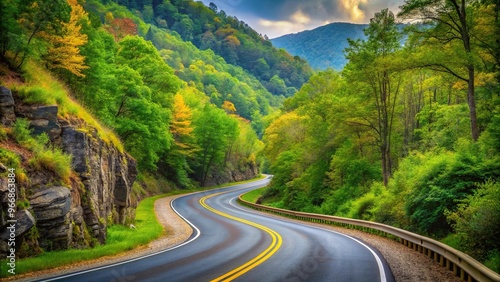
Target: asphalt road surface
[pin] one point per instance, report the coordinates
(231, 242)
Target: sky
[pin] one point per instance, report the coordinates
(279, 17)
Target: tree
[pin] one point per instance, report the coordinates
(121, 27)
(229, 107)
(177, 167)
(215, 132)
(65, 50)
(213, 7)
(148, 14)
(452, 21)
(180, 126)
(369, 67)
(11, 33)
(143, 57)
(34, 16)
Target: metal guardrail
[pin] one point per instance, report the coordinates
(462, 265)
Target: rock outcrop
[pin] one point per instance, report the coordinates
(107, 176)
(100, 190)
(7, 115)
(244, 172)
(51, 208)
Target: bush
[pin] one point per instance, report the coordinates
(477, 221)
(10, 159)
(21, 132)
(362, 208)
(439, 180)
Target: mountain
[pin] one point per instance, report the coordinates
(322, 47)
(209, 28)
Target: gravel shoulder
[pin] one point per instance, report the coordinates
(406, 264)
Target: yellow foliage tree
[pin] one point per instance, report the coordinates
(65, 48)
(180, 127)
(229, 107)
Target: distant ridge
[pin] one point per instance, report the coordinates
(322, 47)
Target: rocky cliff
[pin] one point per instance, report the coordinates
(77, 214)
(241, 173)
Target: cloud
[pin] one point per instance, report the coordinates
(279, 17)
(352, 8)
(297, 21)
(300, 18)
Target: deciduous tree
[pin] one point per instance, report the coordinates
(370, 67)
(65, 50)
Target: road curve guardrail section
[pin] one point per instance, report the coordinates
(462, 265)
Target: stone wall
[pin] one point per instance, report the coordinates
(100, 187)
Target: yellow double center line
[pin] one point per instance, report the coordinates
(267, 253)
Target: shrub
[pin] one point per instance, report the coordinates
(477, 221)
(362, 208)
(21, 132)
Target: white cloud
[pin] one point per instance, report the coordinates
(300, 18)
(352, 8)
(281, 27)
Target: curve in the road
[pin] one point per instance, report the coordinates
(263, 256)
(238, 244)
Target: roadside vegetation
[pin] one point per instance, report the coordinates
(406, 134)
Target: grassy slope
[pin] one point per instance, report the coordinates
(43, 88)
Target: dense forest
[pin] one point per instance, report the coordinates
(406, 134)
(209, 28)
(185, 113)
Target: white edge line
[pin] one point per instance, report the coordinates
(138, 258)
(153, 254)
(383, 277)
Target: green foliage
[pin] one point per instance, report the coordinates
(477, 221)
(417, 123)
(54, 160)
(130, 85)
(26, 22)
(10, 159)
(22, 133)
(442, 125)
(211, 74)
(215, 133)
(232, 39)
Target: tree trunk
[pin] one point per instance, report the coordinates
(472, 105)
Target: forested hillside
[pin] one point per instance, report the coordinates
(181, 112)
(209, 28)
(404, 135)
(322, 47)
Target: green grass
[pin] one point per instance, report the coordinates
(252, 196)
(120, 239)
(43, 88)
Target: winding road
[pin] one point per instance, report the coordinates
(231, 242)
